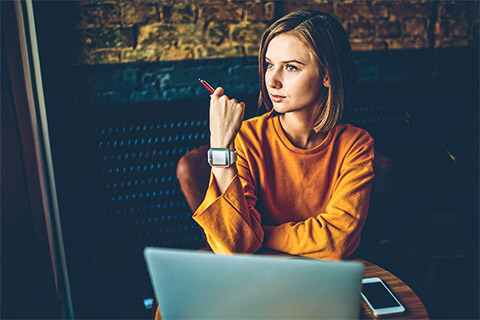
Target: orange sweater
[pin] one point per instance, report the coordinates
(311, 203)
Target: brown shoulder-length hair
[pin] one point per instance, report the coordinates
(330, 48)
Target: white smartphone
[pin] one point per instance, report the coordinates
(379, 298)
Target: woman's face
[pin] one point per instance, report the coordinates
(292, 77)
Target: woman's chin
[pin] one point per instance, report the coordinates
(278, 108)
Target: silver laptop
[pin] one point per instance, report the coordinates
(202, 285)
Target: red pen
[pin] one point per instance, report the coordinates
(206, 85)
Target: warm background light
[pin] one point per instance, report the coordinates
(134, 31)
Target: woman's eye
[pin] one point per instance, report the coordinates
(269, 65)
(290, 67)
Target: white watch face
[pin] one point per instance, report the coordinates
(219, 157)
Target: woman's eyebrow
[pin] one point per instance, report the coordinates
(288, 61)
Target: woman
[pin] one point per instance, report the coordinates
(301, 182)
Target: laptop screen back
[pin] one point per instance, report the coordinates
(193, 285)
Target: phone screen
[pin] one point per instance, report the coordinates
(378, 296)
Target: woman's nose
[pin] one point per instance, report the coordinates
(273, 81)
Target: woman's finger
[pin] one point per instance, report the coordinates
(218, 92)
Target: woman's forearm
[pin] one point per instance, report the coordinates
(226, 117)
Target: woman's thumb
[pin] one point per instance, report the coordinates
(218, 92)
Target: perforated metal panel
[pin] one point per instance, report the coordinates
(142, 197)
(401, 123)
(405, 115)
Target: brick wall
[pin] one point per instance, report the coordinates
(113, 32)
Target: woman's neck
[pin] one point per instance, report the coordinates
(298, 127)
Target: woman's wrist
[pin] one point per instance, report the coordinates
(222, 145)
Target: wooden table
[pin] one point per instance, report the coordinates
(413, 305)
(414, 308)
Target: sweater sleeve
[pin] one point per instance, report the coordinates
(335, 233)
(230, 221)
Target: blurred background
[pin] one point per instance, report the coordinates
(100, 99)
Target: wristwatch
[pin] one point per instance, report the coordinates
(221, 157)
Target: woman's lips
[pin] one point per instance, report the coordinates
(277, 98)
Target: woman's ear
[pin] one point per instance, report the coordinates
(326, 82)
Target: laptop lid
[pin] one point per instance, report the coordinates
(203, 285)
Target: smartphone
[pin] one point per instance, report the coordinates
(379, 298)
